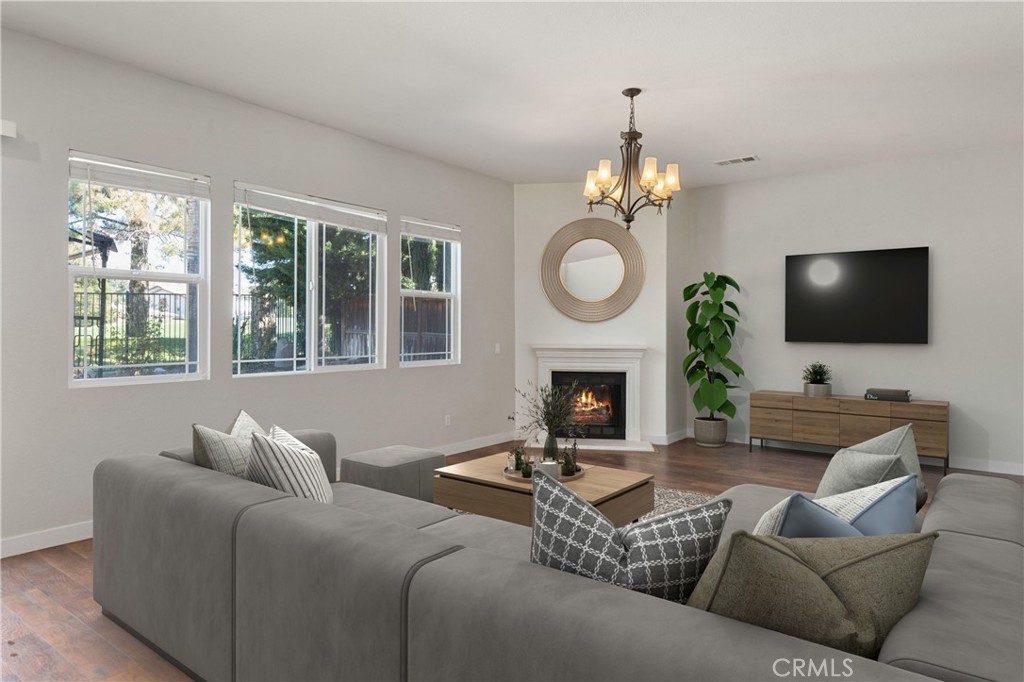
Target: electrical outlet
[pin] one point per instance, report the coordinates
(447, 420)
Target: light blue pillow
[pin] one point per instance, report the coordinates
(885, 508)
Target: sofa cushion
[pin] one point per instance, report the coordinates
(846, 593)
(493, 535)
(285, 463)
(967, 623)
(978, 505)
(383, 505)
(881, 509)
(663, 556)
(220, 451)
(890, 455)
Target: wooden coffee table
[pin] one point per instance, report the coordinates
(478, 486)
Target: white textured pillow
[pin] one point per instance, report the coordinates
(244, 426)
(874, 461)
(285, 463)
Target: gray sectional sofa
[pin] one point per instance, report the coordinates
(235, 581)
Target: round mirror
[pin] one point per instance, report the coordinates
(592, 270)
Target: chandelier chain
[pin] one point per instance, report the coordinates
(632, 116)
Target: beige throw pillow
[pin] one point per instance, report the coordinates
(846, 593)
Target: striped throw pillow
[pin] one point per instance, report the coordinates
(285, 463)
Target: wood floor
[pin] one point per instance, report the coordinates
(53, 630)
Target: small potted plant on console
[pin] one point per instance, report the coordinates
(817, 380)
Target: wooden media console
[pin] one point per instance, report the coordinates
(844, 420)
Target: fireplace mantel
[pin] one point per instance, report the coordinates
(588, 358)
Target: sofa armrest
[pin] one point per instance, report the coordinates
(162, 554)
(325, 445)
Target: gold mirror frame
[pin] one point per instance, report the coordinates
(632, 270)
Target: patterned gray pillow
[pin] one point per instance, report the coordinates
(664, 556)
(220, 451)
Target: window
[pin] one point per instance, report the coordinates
(136, 251)
(300, 259)
(430, 292)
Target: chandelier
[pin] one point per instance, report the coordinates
(649, 187)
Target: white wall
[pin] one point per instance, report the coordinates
(540, 211)
(967, 207)
(54, 436)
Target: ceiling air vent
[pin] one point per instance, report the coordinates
(738, 159)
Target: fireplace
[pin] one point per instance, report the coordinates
(599, 402)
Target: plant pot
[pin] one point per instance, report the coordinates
(818, 390)
(550, 447)
(710, 432)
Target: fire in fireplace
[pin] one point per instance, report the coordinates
(599, 403)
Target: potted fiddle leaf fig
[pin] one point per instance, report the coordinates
(712, 329)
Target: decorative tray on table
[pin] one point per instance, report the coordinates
(518, 475)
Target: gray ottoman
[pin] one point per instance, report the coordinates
(399, 469)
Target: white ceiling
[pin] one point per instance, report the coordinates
(529, 92)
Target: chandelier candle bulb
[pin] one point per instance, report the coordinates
(590, 190)
(649, 178)
(617, 194)
(672, 178)
(604, 174)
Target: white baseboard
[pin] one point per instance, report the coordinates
(51, 537)
(989, 467)
(474, 443)
(670, 438)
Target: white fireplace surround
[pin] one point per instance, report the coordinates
(618, 358)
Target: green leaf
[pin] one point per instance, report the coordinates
(732, 367)
(688, 360)
(709, 310)
(713, 394)
(726, 316)
(691, 312)
(733, 306)
(717, 328)
(691, 291)
(729, 281)
(717, 295)
(709, 279)
(731, 324)
(702, 340)
(694, 374)
(728, 409)
(711, 358)
(723, 346)
(698, 402)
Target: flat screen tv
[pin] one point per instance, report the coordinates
(858, 296)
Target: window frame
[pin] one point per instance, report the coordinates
(134, 176)
(426, 229)
(315, 212)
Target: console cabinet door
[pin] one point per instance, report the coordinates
(816, 427)
(930, 437)
(769, 422)
(855, 428)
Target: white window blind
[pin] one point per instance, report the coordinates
(99, 170)
(434, 230)
(313, 208)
